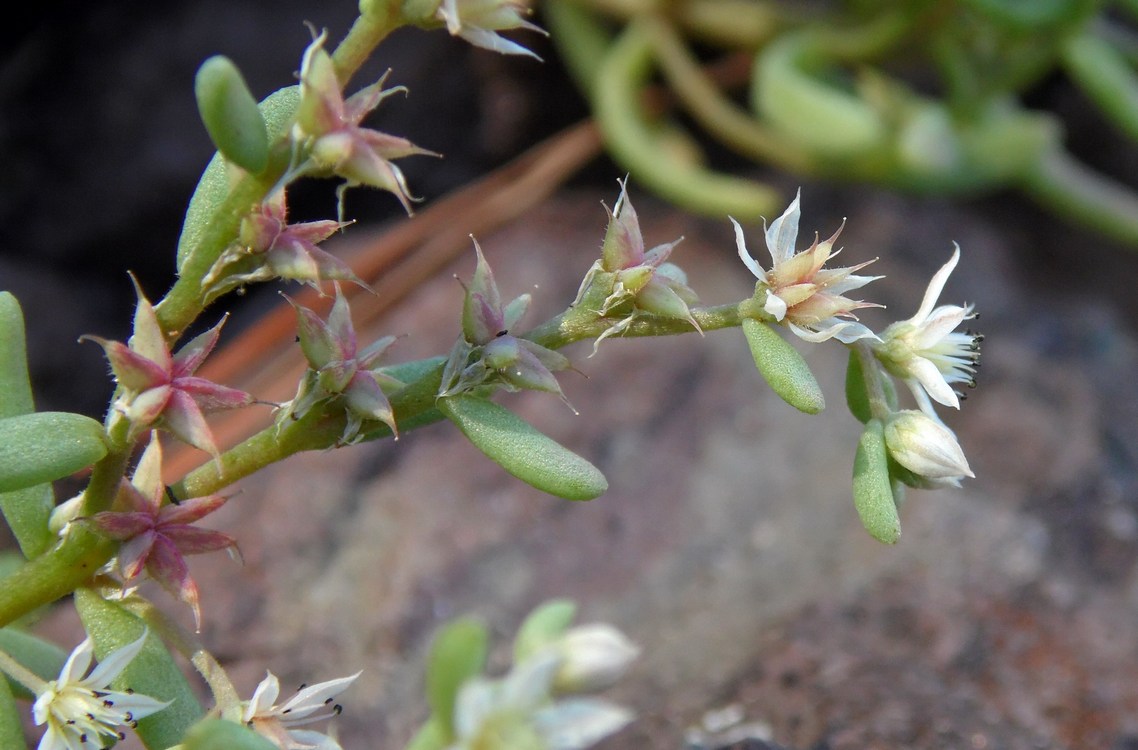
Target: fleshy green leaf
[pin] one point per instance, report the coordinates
(783, 368)
(429, 737)
(230, 115)
(457, 654)
(47, 445)
(857, 397)
(857, 393)
(543, 626)
(15, 386)
(872, 486)
(11, 729)
(26, 510)
(218, 734)
(278, 110)
(153, 672)
(42, 658)
(521, 450)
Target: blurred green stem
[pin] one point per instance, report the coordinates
(1068, 187)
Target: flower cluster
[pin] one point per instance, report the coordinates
(268, 247)
(479, 21)
(925, 351)
(328, 129)
(339, 370)
(635, 281)
(799, 290)
(160, 388)
(155, 537)
(488, 354)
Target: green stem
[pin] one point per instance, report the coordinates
(637, 146)
(708, 106)
(54, 574)
(21, 674)
(185, 300)
(1073, 189)
(377, 19)
(872, 374)
(1106, 78)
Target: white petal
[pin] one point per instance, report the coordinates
(579, 723)
(264, 697)
(846, 331)
(783, 232)
(477, 700)
(940, 323)
(110, 667)
(528, 684)
(936, 286)
(316, 740)
(741, 245)
(775, 305)
(930, 377)
(315, 697)
(78, 662)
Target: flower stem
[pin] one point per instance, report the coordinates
(872, 375)
(21, 674)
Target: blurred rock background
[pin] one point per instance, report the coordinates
(727, 545)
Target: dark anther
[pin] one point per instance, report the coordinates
(337, 709)
(108, 703)
(171, 496)
(303, 685)
(296, 340)
(287, 711)
(329, 701)
(129, 691)
(128, 716)
(500, 334)
(122, 735)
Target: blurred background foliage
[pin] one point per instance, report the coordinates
(917, 95)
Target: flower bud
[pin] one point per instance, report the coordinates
(595, 657)
(925, 446)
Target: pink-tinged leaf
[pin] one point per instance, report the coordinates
(147, 338)
(191, 540)
(184, 418)
(134, 554)
(132, 370)
(168, 568)
(121, 526)
(191, 510)
(191, 356)
(210, 396)
(340, 326)
(316, 340)
(367, 399)
(147, 406)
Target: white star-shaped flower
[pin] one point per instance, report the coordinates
(809, 297)
(81, 712)
(311, 704)
(927, 353)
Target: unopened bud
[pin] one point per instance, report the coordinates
(924, 446)
(595, 657)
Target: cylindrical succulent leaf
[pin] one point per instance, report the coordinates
(872, 486)
(230, 114)
(783, 368)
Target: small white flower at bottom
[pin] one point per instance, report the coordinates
(80, 712)
(517, 712)
(311, 704)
